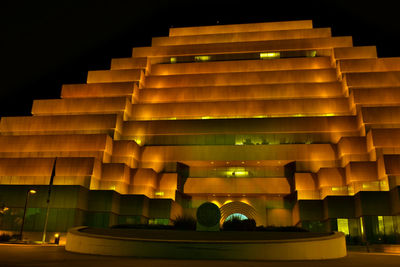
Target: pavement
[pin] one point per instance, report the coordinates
(50, 255)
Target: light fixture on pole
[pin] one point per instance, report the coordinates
(28, 193)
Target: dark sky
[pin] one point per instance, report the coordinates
(49, 43)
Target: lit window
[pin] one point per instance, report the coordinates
(270, 55)
(202, 58)
(159, 221)
(362, 226)
(343, 226)
(236, 172)
(173, 60)
(311, 53)
(381, 227)
(137, 140)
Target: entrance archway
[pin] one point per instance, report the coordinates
(236, 216)
(238, 207)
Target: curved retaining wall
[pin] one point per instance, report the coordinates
(327, 247)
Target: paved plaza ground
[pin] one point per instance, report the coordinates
(43, 256)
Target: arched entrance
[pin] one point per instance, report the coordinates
(238, 207)
(236, 216)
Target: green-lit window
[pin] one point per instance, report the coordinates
(269, 55)
(381, 227)
(202, 58)
(343, 226)
(159, 221)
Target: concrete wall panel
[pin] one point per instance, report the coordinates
(237, 186)
(240, 109)
(361, 171)
(60, 124)
(78, 106)
(111, 76)
(241, 126)
(328, 177)
(116, 172)
(373, 79)
(354, 52)
(242, 78)
(42, 143)
(98, 90)
(239, 28)
(242, 66)
(309, 152)
(244, 47)
(241, 92)
(242, 37)
(370, 65)
(305, 181)
(376, 96)
(130, 63)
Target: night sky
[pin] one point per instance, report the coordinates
(46, 44)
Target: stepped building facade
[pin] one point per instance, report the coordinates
(277, 121)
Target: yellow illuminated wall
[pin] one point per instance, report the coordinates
(239, 105)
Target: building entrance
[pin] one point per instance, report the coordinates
(238, 216)
(237, 208)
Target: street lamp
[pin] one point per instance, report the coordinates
(29, 192)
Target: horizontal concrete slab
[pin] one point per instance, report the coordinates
(242, 78)
(242, 66)
(235, 28)
(240, 92)
(242, 37)
(242, 109)
(243, 47)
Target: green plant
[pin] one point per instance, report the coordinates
(236, 224)
(5, 237)
(353, 240)
(280, 229)
(185, 223)
(141, 226)
(208, 214)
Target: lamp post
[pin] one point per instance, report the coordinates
(29, 192)
(53, 174)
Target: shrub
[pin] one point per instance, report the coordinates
(141, 226)
(281, 229)
(353, 240)
(389, 239)
(185, 223)
(5, 237)
(236, 224)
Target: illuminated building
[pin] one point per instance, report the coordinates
(277, 121)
